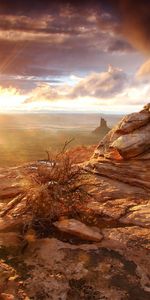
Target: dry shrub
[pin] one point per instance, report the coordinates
(60, 189)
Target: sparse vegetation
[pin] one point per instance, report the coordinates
(60, 189)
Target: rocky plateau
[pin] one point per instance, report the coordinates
(108, 259)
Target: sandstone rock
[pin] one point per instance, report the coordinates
(5, 273)
(133, 144)
(113, 209)
(11, 239)
(10, 224)
(116, 265)
(5, 296)
(135, 173)
(79, 229)
(10, 287)
(136, 127)
(127, 237)
(124, 154)
(138, 215)
(133, 121)
(117, 268)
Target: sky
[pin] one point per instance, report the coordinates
(74, 56)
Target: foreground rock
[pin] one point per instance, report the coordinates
(130, 137)
(124, 154)
(10, 285)
(116, 268)
(116, 264)
(138, 215)
(79, 229)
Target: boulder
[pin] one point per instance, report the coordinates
(79, 229)
(133, 121)
(133, 144)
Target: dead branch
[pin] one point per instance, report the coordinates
(65, 146)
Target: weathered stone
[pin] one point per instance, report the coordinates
(5, 296)
(10, 287)
(10, 224)
(116, 264)
(9, 239)
(79, 229)
(113, 209)
(133, 133)
(138, 215)
(133, 121)
(124, 154)
(133, 144)
(116, 268)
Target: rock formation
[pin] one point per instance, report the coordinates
(102, 129)
(109, 259)
(124, 153)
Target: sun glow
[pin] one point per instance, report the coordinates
(10, 99)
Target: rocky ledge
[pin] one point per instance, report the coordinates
(109, 259)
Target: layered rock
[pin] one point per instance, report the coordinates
(79, 229)
(124, 153)
(110, 259)
(129, 138)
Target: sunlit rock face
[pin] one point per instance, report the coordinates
(124, 153)
(129, 138)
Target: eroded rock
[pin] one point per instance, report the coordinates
(131, 136)
(79, 229)
(10, 224)
(116, 268)
(116, 264)
(10, 286)
(138, 215)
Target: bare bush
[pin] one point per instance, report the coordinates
(60, 189)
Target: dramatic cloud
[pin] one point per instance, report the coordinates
(144, 70)
(103, 85)
(97, 85)
(42, 36)
(43, 43)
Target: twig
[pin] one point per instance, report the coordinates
(65, 146)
